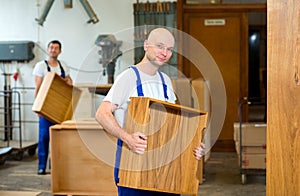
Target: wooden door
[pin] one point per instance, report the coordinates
(224, 35)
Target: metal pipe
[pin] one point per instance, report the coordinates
(87, 7)
(46, 10)
(7, 108)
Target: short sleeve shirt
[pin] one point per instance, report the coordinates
(41, 70)
(125, 87)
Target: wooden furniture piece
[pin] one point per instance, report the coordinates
(82, 159)
(56, 100)
(283, 95)
(101, 89)
(201, 100)
(173, 131)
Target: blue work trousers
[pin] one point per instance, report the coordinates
(124, 191)
(43, 144)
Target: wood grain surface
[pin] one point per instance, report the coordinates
(283, 98)
(82, 159)
(168, 164)
(56, 100)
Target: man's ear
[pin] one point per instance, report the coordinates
(146, 44)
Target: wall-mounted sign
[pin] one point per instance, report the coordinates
(214, 22)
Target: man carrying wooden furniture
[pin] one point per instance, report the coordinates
(39, 71)
(143, 79)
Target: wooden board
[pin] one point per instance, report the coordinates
(168, 164)
(101, 89)
(56, 100)
(283, 95)
(19, 193)
(76, 167)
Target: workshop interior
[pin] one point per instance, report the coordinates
(218, 68)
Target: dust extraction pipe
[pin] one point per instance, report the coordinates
(89, 11)
(46, 10)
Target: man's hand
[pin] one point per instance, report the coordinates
(137, 143)
(199, 152)
(68, 80)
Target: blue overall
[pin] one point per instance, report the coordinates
(44, 125)
(125, 191)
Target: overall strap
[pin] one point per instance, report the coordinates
(63, 75)
(164, 85)
(138, 82)
(118, 160)
(48, 68)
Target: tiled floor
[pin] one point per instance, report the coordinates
(222, 178)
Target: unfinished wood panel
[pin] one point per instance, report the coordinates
(283, 95)
(76, 164)
(173, 131)
(201, 100)
(56, 100)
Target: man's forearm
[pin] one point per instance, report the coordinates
(109, 123)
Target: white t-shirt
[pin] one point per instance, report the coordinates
(125, 87)
(41, 70)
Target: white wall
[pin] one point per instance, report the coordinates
(17, 20)
(68, 25)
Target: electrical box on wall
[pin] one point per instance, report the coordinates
(16, 51)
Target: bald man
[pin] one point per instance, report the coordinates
(111, 113)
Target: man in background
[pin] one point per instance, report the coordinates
(52, 64)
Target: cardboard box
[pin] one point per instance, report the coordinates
(56, 100)
(82, 159)
(198, 90)
(253, 161)
(250, 149)
(182, 89)
(253, 134)
(253, 148)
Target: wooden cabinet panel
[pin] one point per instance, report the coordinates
(283, 107)
(80, 151)
(173, 131)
